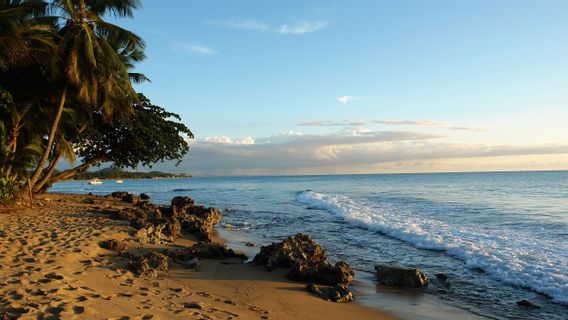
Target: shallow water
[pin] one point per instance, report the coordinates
(499, 237)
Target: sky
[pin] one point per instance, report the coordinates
(363, 86)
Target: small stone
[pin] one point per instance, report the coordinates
(194, 305)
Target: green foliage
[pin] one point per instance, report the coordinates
(116, 173)
(9, 186)
(150, 135)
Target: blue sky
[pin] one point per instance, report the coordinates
(316, 87)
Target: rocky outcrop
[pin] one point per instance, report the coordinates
(284, 254)
(308, 263)
(334, 294)
(181, 215)
(144, 196)
(150, 265)
(402, 277)
(159, 233)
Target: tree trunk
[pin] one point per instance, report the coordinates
(50, 139)
(71, 172)
(48, 172)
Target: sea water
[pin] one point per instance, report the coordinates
(498, 237)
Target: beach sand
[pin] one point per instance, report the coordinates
(52, 267)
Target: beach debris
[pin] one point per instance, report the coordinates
(149, 265)
(334, 294)
(114, 245)
(402, 277)
(285, 253)
(527, 304)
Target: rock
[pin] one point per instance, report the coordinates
(192, 264)
(250, 244)
(403, 277)
(331, 294)
(144, 196)
(114, 245)
(130, 198)
(117, 195)
(181, 201)
(88, 201)
(150, 209)
(150, 265)
(339, 275)
(123, 214)
(442, 278)
(159, 233)
(194, 305)
(283, 254)
(204, 250)
(197, 226)
(527, 304)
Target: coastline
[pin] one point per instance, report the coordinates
(54, 268)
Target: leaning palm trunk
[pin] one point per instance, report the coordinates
(71, 172)
(50, 139)
(48, 172)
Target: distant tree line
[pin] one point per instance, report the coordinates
(116, 173)
(66, 92)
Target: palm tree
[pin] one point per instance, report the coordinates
(87, 67)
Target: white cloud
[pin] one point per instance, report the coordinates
(229, 140)
(326, 123)
(251, 24)
(427, 123)
(200, 49)
(347, 99)
(304, 27)
(289, 133)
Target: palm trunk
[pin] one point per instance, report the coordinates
(48, 172)
(50, 139)
(71, 172)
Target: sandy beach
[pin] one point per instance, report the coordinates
(54, 268)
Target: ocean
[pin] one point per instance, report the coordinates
(498, 237)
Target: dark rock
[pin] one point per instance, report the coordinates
(283, 254)
(117, 195)
(181, 201)
(194, 305)
(250, 244)
(204, 250)
(403, 277)
(443, 279)
(114, 245)
(197, 226)
(130, 198)
(150, 265)
(334, 294)
(123, 214)
(339, 275)
(144, 196)
(527, 304)
(88, 201)
(151, 210)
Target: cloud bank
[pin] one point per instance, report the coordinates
(254, 25)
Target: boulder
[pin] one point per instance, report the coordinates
(527, 304)
(150, 265)
(199, 227)
(402, 277)
(114, 245)
(334, 294)
(284, 254)
(159, 233)
(130, 198)
(339, 275)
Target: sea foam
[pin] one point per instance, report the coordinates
(513, 256)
